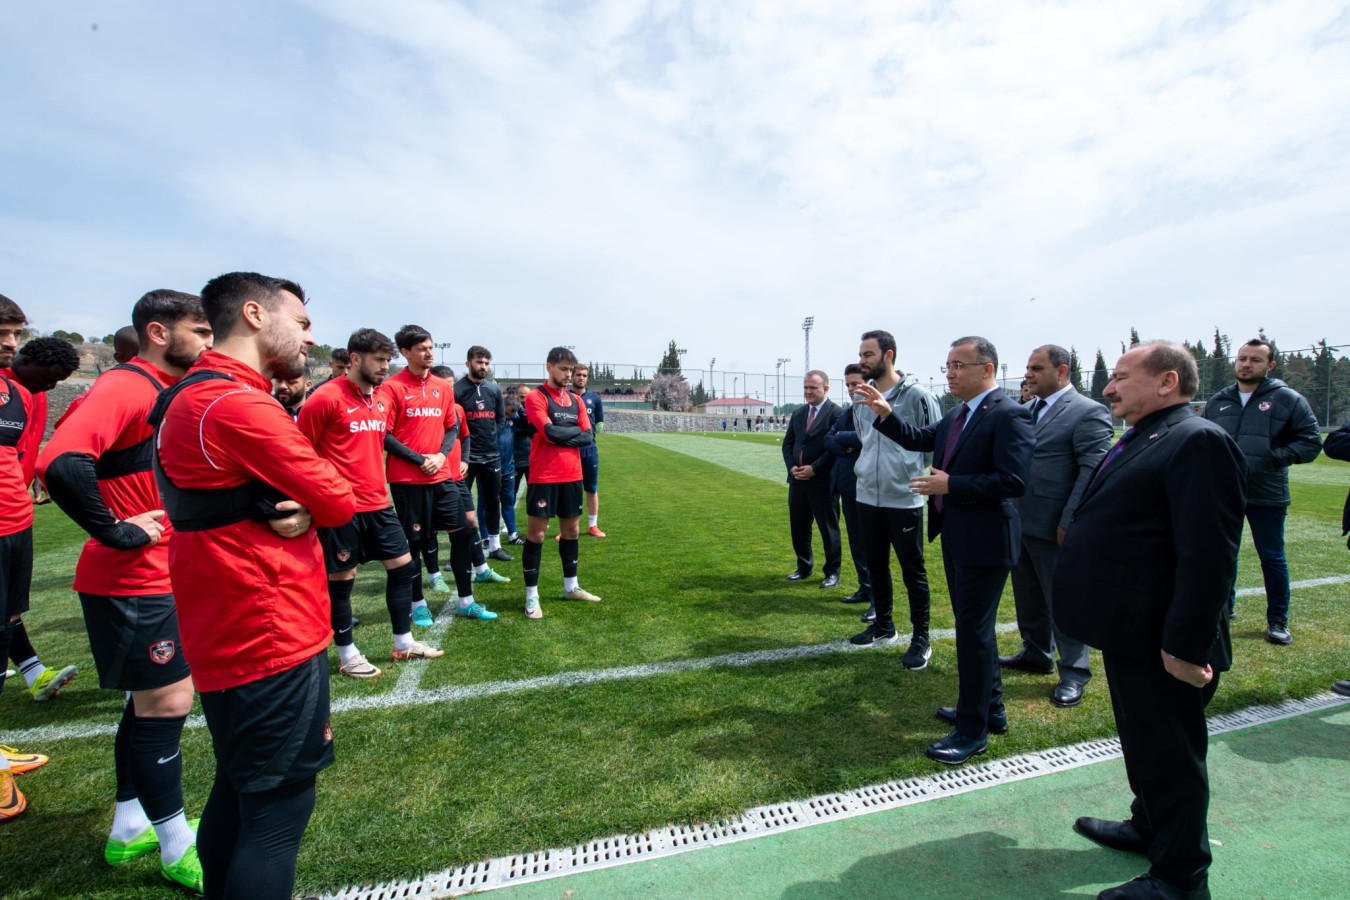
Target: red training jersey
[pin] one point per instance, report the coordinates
(250, 602)
(116, 420)
(420, 416)
(16, 417)
(549, 463)
(347, 428)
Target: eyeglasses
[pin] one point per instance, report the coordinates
(958, 366)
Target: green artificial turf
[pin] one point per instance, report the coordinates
(693, 569)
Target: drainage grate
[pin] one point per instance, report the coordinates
(620, 849)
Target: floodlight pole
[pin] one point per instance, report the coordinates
(806, 327)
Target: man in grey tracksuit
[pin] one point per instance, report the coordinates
(890, 515)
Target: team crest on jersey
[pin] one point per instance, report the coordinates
(344, 555)
(379, 404)
(480, 404)
(436, 392)
(4, 397)
(328, 731)
(161, 652)
(1264, 406)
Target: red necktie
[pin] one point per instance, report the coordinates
(953, 435)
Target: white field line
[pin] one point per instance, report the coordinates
(411, 675)
(407, 693)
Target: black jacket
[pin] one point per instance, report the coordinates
(1275, 430)
(1338, 447)
(844, 443)
(807, 448)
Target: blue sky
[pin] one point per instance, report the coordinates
(615, 175)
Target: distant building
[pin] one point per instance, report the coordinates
(736, 407)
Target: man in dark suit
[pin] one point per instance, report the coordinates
(808, 470)
(984, 445)
(1072, 435)
(1337, 446)
(1143, 576)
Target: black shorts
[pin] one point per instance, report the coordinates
(590, 470)
(272, 731)
(16, 572)
(135, 641)
(425, 509)
(549, 500)
(368, 537)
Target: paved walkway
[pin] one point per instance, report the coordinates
(1279, 823)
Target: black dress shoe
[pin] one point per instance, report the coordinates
(1019, 662)
(1067, 694)
(858, 596)
(1149, 887)
(830, 581)
(798, 576)
(997, 722)
(871, 615)
(955, 749)
(502, 555)
(1116, 835)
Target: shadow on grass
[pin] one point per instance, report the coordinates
(986, 864)
(1318, 739)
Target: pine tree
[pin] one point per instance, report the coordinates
(670, 363)
(1075, 370)
(1100, 376)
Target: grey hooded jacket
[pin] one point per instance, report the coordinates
(884, 467)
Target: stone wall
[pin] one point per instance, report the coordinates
(625, 421)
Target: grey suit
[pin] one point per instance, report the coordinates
(1071, 438)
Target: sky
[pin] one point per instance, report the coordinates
(617, 175)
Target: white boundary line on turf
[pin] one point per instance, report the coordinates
(764, 821)
(407, 693)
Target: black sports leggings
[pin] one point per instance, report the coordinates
(248, 843)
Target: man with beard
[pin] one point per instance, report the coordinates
(590, 456)
(40, 365)
(97, 469)
(16, 536)
(890, 515)
(561, 427)
(1276, 429)
(291, 393)
(251, 599)
(346, 422)
(483, 404)
(427, 494)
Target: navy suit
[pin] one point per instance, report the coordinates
(981, 533)
(843, 442)
(812, 499)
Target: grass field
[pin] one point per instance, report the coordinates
(703, 685)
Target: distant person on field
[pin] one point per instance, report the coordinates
(1276, 428)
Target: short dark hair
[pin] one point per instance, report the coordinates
(341, 355)
(443, 372)
(1057, 355)
(410, 336)
(853, 369)
(49, 351)
(1165, 356)
(1268, 344)
(10, 313)
(984, 350)
(475, 352)
(224, 297)
(368, 340)
(885, 340)
(560, 355)
(166, 307)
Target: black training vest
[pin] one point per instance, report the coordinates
(13, 415)
(136, 458)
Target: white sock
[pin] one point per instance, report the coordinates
(532, 593)
(570, 584)
(465, 602)
(419, 604)
(175, 837)
(403, 641)
(31, 669)
(129, 820)
(495, 542)
(347, 654)
(479, 570)
(592, 520)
